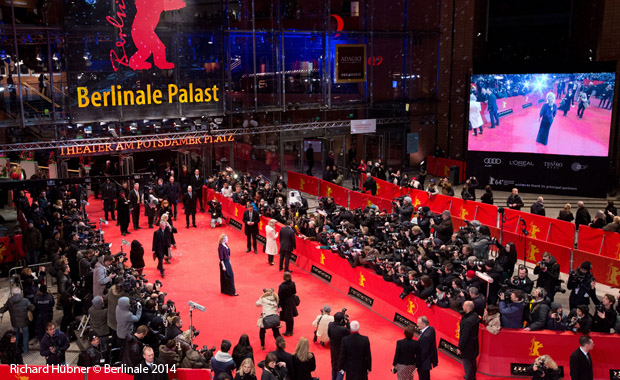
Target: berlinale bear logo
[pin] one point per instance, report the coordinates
(143, 34)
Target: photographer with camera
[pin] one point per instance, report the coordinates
(582, 285)
(579, 320)
(548, 271)
(605, 316)
(405, 210)
(521, 281)
(101, 278)
(480, 240)
(54, 345)
(336, 331)
(321, 324)
(443, 229)
(556, 320)
(512, 312)
(543, 368)
(539, 310)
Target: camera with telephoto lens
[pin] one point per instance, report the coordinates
(573, 322)
(600, 308)
(345, 320)
(542, 368)
(542, 264)
(430, 301)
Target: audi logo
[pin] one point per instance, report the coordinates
(492, 161)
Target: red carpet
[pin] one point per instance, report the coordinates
(568, 135)
(194, 275)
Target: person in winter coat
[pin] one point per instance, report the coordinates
(283, 357)
(132, 347)
(100, 279)
(273, 369)
(10, 352)
(170, 353)
(287, 294)
(113, 296)
(136, 256)
(271, 247)
(94, 356)
(125, 318)
(18, 308)
(99, 318)
(321, 323)
(512, 313)
(193, 359)
(222, 362)
(269, 303)
(444, 229)
(243, 350)
(539, 310)
(31, 241)
(304, 361)
(492, 319)
(246, 370)
(54, 345)
(482, 243)
(44, 310)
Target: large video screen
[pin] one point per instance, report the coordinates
(559, 114)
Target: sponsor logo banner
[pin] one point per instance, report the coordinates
(361, 296)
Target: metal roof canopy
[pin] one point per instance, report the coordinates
(58, 144)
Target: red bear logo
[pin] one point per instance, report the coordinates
(143, 33)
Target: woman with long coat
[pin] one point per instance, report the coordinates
(136, 256)
(227, 277)
(271, 248)
(287, 292)
(546, 117)
(475, 119)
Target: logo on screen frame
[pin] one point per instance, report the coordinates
(553, 165)
(491, 161)
(520, 163)
(576, 166)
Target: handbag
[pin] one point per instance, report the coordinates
(297, 300)
(317, 329)
(270, 321)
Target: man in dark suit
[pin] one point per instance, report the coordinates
(370, 184)
(468, 340)
(122, 209)
(355, 358)
(336, 331)
(251, 218)
(135, 199)
(492, 108)
(149, 369)
(287, 244)
(160, 246)
(427, 357)
(108, 194)
(581, 367)
(310, 158)
(189, 203)
(197, 181)
(173, 193)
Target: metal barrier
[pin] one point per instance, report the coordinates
(14, 272)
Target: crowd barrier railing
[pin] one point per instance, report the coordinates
(440, 167)
(497, 357)
(544, 234)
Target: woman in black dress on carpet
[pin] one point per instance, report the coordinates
(227, 277)
(547, 114)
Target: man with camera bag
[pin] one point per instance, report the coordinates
(53, 345)
(582, 285)
(321, 324)
(100, 277)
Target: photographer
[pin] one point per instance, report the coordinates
(480, 241)
(512, 312)
(556, 320)
(543, 368)
(215, 210)
(54, 345)
(336, 331)
(405, 210)
(579, 320)
(538, 310)
(605, 316)
(521, 281)
(321, 324)
(125, 318)
(370, 184)
(582, 285)
(100, 277)
(548, 271)
(444, 229)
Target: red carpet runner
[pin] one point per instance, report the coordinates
(194, 275)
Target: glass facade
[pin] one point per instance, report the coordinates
(271, 56)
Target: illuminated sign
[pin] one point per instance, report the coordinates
(148, 13)
(350, 63)
(119, 147)
(119, 97)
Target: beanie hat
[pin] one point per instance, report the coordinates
(470, 274)
(97, 301)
